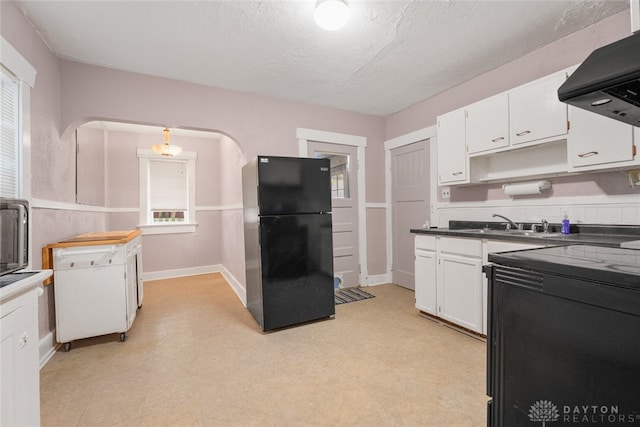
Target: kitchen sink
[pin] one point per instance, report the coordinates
(526, 233)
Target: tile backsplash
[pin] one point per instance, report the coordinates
(598, 213)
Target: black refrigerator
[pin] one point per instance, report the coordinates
(563, 343)
(288, 240)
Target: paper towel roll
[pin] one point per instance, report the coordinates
(525, 188)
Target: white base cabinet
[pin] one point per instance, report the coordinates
(460, 282)
(449, 279)
(425, 273)
(19, 353)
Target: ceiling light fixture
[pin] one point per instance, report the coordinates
(167, 149)
(331, 14)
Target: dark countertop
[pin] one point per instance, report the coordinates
(587, 234)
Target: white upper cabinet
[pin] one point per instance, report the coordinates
(527, 132)
(452, 156)
(536, 114)
(487, 124)
(595, 141)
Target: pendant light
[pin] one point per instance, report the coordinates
(331, 14)
(167, 149)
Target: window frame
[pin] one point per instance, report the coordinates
(15, 64)
(25, 75)
(146, 223)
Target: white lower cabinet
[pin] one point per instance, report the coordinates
(19, 352)
(19, 394)
(450, 283)
(459, 277)
(425, 274)
(448, 279)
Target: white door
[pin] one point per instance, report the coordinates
(344, 206)
(410, 206)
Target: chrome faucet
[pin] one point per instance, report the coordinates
(510, 223)
(545, 226)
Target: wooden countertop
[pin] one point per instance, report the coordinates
(100, 238)
(88, 239)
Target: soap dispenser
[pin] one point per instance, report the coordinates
(566, 228)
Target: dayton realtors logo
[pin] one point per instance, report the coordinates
(546, 411)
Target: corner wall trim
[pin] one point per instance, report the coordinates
(237, 287)
(47, 348)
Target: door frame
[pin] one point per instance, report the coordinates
(304, 136)
(428, 133)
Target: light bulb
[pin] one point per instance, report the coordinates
(331, 14)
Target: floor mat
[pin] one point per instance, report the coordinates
(343, 296)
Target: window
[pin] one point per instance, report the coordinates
(17, 76)
(167, 192)
(339, 174)
(337, 185)
(10, 162)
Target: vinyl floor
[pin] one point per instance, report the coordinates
(196, 357)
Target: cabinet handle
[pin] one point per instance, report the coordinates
(500, 138)
(588, 154)
(23, 339)
(457, 173)
(524, 132)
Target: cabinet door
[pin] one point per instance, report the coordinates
(460, 290)
(487, 124)
(19, 372)
(426, 287)
(535, 111)
(597, 140)
(452, 156)
(90, 302)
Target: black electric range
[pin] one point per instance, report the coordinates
(563, 342)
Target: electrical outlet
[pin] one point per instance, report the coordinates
(446, 192)
(634, 178)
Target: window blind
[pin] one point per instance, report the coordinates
(168, 188)
(9, 139)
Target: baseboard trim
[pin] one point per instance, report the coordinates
(182, 272)
(237, 287)
(47, 348)
(379, 279)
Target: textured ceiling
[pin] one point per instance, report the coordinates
(390, 55)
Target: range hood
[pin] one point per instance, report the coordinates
(608, 81)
